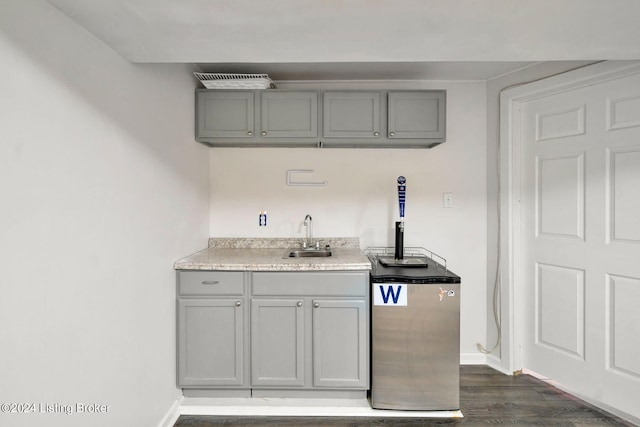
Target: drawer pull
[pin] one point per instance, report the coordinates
(316, 305)
(299, 304)
(238, 303)
(210, 282)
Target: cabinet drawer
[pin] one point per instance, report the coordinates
(311, 284)
(210, 283)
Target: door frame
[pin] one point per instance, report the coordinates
(512, 302)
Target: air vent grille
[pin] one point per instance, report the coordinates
(235, 81)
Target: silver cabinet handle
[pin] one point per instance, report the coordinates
(263, 133)
(210, 282)
(316, 305)
(299, 304)
(250, 133)
(238, 303)
(376, 134)
(392, 134)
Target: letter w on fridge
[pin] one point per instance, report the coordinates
(390, 294)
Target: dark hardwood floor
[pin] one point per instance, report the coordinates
(487, 397)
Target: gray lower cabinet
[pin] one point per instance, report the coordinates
(211, 331)
(310, 330)
(277, 342)
(269, 332)
(340, 343)
(210, 348)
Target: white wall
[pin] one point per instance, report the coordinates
(361, 196)
(102, 189)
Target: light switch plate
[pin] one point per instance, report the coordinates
(447, 200)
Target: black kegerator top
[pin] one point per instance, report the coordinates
(418, 266)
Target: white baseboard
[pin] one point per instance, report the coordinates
(172, 414)
(473, 359)
(264, 407)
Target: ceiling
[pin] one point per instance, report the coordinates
(362, 39)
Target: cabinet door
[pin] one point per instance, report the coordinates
(210, 342)
(224, 114)
(277, 342)
(289, 114)
(417, 115)
(351, 115)
(340, 344)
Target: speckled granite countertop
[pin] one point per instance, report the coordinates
(270, 254)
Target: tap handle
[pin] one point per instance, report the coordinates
(402, 192)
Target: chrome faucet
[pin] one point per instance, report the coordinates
(308, 222)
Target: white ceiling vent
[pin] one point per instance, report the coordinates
(235, 81)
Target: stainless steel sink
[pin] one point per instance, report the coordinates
(317, 253)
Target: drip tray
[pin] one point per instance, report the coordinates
(411, 261)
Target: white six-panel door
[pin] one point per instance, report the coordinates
(579, 281)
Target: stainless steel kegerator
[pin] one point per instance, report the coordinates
(415, 331)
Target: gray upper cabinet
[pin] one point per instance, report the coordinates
(257, 118)
(224, 114)
(311, 118)
(416, 115)
(391, 119)
(351, 115)
(289, 114)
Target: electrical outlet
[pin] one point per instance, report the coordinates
(262, 218)
(447, 200)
